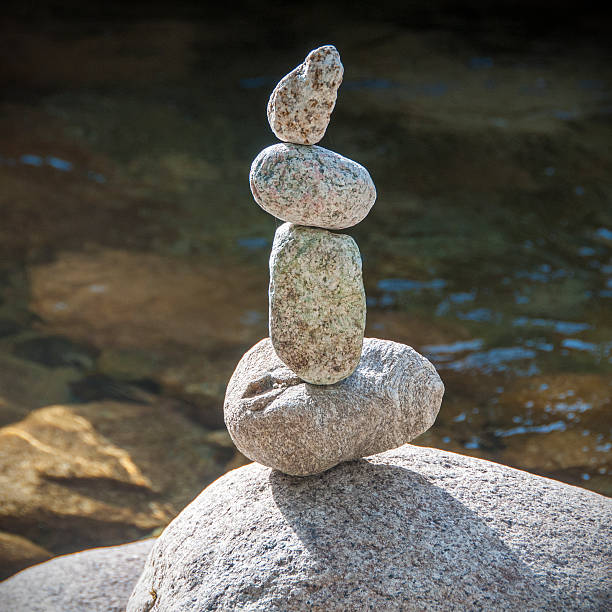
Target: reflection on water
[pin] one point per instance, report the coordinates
(54, 162)
(134, 262)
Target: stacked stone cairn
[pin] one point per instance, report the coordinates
(317, 393)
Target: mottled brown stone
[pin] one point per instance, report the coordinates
(301, 104)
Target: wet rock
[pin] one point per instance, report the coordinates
(100, 473)
(317, 303)
(301, 104)
(276, 419)
(557, 451)
(17, 552)
(87, 581)
(311, 186)
(8, 327)
(56, 351)
(25, 385)
(113, 298)
(98, 387)
(410, 529)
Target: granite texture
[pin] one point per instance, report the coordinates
(96, 580)
(411, 529)
(311, 186)
(317, 307)
(301, 104)
(278, 420)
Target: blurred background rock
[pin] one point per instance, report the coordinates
(133, 261)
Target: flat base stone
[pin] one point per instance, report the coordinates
(96, 580)
(410, 529)
(301, 429)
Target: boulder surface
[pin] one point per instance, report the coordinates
(95, 580)
(275, 418)
(409, 529)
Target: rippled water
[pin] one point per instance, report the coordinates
(129, 232)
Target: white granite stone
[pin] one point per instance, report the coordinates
(311, 186)
(411, 529)
(274, 418)
(317, 303)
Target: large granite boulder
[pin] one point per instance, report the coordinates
(409, 529)
(97, 580)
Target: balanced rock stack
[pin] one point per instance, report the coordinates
(316, 393)
(408, 529)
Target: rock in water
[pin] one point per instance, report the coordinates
(317, 303)
(276, 419)
(17, 553)
(311, 186)
(411, 529)
(302, 103)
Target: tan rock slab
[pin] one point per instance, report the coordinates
(80, 475)
(278, 420)
(17, 552)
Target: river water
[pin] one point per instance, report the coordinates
(133, 256)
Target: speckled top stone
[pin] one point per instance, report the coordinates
(317, 303)
(276, 419)
(413, 529)
(311, 186)
(301, 104)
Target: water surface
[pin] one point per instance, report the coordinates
(133, 253)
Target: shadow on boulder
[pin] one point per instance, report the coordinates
(383, 533)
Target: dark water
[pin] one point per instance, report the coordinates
(133, 259)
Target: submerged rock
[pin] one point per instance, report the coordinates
(410, 529)
(278, 420)
(94, 580)
(301, 104)
(311, 186)
(317, 303)
(17, 552)
(56, 351)
(81, 475)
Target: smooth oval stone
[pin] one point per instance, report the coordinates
(317, 303)
(280, 421)
(301, 104)
(311, 186)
